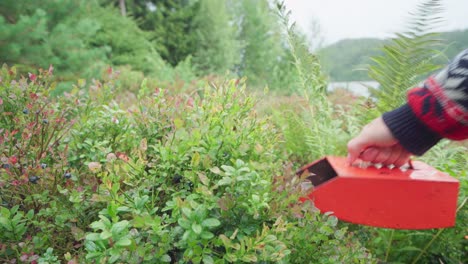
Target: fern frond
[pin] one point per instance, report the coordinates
(408, 57)
(311, 77)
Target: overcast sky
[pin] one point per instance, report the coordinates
(340, 19)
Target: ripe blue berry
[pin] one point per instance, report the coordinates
(177, 179)
(26, 111)
(43, 165)
(33, 179)
(45, 121)
(6, 166)
(67, 175)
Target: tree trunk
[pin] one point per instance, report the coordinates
(123, 10)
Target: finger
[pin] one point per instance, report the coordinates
(394, 155)
(402, 159)
(355, 147)
(370, 154)
(384, 154)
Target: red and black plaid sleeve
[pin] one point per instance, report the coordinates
(438, 109)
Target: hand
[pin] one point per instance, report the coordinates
(376, 144)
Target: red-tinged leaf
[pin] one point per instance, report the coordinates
(123, 156)
(33, 96)
(109, 70)
(1, 100)
(32, 77)
(13, 160)
(189, 102)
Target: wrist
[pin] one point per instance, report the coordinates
(409, 131)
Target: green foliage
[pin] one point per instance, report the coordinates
(49, 257)
(79, 38)
(52, 32)
(407, 58)
(132, 48)
(173, 28)
(218, 48)
(33, 145)
(179, 178)
(344, 61)
(13, 223)
(266, 60)
(308, 133)
(35, 171)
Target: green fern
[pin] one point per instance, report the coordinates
(317, 130)
(407, 58)
(311, 79)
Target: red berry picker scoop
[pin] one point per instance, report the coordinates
(420, 197)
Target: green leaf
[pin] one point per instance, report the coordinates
(197, 228)
(186, 211)
(5, 222)
(207, 235)
(178, 123)
(211, 222)
(207, 259)
(98, 225)
(203, 179)
(166, 258)
(123, 242)
(118, 227)
(114, 258)
(270, 238)
(249, 258)
(4, 212)
(93, 255)
(30, 214)
(105, 235)
(215, 170)
(93, 237)
(184, 223)
(228, 169)
(225, 181)
(195, 159)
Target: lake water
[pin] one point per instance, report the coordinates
(358, 88)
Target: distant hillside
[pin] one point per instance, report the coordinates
(345, 60)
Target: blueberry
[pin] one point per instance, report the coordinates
(26, 111)
(45, 121)
(67, 175)
(6, 166)
(176, 179)
(33, 179)
(43, 165)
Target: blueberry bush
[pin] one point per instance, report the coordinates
(193, 177)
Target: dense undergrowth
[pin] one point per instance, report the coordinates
(190, 177)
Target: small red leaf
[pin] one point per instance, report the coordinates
(13, 160)
(32, 77)
(33, 96)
